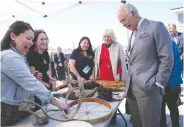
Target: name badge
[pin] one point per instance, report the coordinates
(86, 69)
(60, 64)
(59, 60)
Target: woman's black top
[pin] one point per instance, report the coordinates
(84, 64)
(40, 62)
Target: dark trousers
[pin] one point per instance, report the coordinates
(170, 98)
(54, 74)
(53, 70)
(61, 73)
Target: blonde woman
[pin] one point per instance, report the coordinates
(109, 59)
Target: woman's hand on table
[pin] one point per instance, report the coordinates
(92, 77)
(52, 82)
(59, 104)
(54, 86)
(63, 106)
(80, 80)
(117, 78)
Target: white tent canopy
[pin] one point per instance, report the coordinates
(19, 8)
(64, 20)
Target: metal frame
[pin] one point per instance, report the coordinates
(119, 113)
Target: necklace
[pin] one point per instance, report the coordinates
(106, 58)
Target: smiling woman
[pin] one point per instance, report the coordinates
(17, 82)
(19, 35)
(39, 61)
(82, 60)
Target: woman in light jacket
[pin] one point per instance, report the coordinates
(109, 59)
(17, 82)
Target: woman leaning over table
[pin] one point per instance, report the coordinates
(17, 82)
(39, 61)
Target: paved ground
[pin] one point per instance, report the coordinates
(120, 122)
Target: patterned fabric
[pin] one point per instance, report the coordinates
(10, 114)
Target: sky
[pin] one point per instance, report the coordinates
(65, 26)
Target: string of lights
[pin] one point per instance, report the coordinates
(62, 2)
(34, 10)
(25, 3)
(72, 1)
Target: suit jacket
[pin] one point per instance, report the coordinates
(59, 58)
(179, 41)
(150, 57)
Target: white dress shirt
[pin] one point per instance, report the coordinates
(134, 33)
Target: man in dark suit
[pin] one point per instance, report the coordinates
(59, 59)
(176, 36)
(53, 66)
(172, 91)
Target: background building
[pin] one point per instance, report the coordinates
(180, 18)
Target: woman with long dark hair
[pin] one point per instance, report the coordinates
(81, 61)
(17, 82)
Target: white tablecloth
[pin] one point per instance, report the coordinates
(30, 119)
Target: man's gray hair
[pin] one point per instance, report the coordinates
(129, 8)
